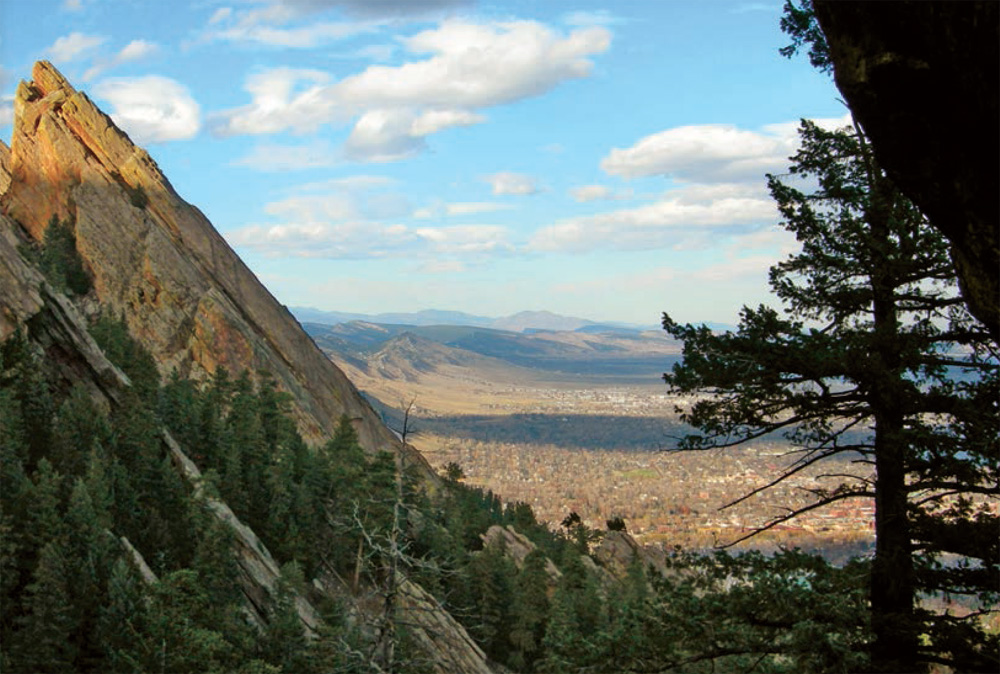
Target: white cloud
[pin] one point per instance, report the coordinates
(314, 210)
(709, 152)
(360, 239)
(76, 44)
(346, 240)
(152, 109)
(585, 193)
(220, 15)
(465, 240)
(752, 268)
(590, 192)
(274, 157)
(279, 25)
(353, 218)
(303, 37)
(72, 5)
(682, 218)
(283, 98)
(507, 182)
(6, 110)
(136, 50)
(479, 65)
(440, 209)
(468, 67)
(383, 135)
(432, 121)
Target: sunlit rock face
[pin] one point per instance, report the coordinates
(157, 260)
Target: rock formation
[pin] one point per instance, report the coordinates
(158, 261)
(71, 180)
(923, 78)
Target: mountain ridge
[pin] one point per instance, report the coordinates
(157, 261)
(522, 321)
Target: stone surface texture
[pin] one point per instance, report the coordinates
(158, 261)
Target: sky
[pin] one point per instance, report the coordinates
(600, 159)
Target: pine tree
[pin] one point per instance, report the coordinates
(890, 332)
(122, 621)
(44, 644)
(530, 611)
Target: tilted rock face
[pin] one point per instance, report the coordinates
(54, 325)
(518, 546)
(157, 260)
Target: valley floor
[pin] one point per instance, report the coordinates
(602, 449)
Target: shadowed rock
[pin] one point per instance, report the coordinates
(923, 78)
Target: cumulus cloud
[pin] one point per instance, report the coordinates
(76, 44)
(345, 240)
(673, 221)
(353, 217)
(136, 50)
(709, 152)
(152, 109)
(585, 193)
(360, 239)
(465, 240)
(458, 69)
(390, 134)
(283, 98)
(508, 182)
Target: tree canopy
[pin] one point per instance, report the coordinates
(872, 354)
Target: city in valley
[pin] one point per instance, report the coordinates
(526, 416)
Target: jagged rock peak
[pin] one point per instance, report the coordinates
(158, 261)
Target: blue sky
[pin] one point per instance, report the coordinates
(597, 159)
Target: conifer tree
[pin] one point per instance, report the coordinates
(863, 360)
(530, 611)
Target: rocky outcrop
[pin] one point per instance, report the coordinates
(448, 646)
(4, 167)
(158, 261)
(617, 550)
(923, 78)
(517, 547)
(53, 323)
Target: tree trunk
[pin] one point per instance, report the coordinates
(893, 581)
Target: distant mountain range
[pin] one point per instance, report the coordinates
(590, 350)
(524, 321)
